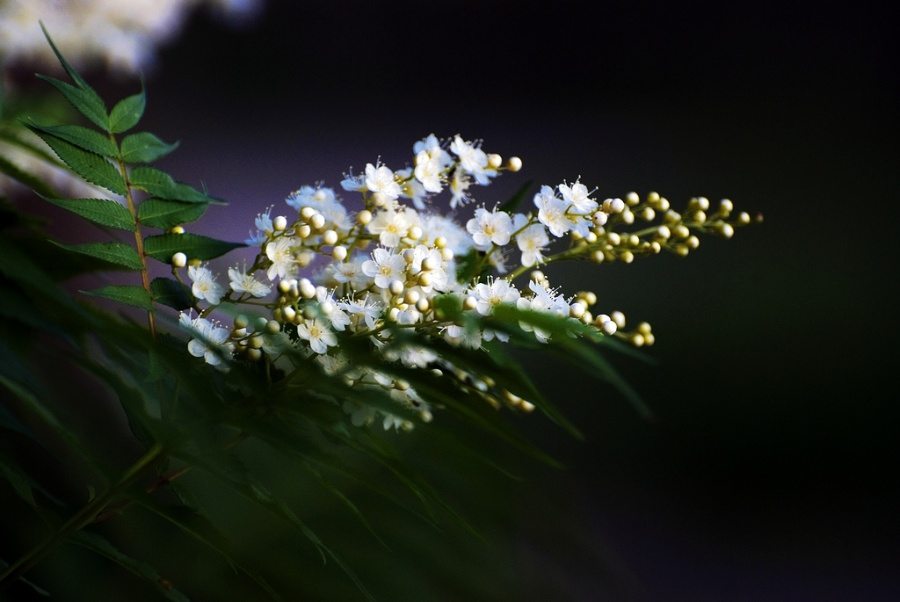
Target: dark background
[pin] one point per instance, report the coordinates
(770, 472)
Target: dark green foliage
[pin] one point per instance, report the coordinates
(100, 211)
(160, 213)
(144, 148)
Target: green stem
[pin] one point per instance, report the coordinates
(81, 519)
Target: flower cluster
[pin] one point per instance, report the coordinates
(325, 271)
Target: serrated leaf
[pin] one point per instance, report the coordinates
(161, 213)
(171, 293)
(100, 211)
(160, 184)
(144, 147)
(23, 177)
(81, 137)
(90, 166)
(195, 246)
(102, 546)
(76, 77)
(112, 252)
(86, 101)
(124, 293)
(127, 112)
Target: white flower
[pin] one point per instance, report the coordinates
(546, 300)
(412, 188)
(432, 147)
(317, 333)
(390, 226)
(552, 211)
(459, 187)
(211, 342)
(490, 227)
(333, 310)
(531, 241)
(280, 253)
(381, 180)
(320, 198)
(472, 160)
(385, 267)
(434, 226)
(429, 172)
(354, 182)
(494, 293)
(242, 282)
(466, 337)
(578, 196)
(369, 310)
(264, 228)
(204, 285)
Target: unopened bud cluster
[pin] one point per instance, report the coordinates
(324, 271)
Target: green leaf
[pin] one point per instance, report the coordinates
(171, 293)
(128, 294)
(202, 530)
(512, 202)
(90, 166)
(127, 112)
(82, 137)
(112, 252)
(23, 177)
(195, 246)
(62, 61)
(85, 100)
(160, 213)
(100, 211)
(103, 547)
(144, 147)
(160, 184)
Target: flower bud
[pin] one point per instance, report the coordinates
(339, 253)
(632, 199)
(317, 221)
(364, 217)
(254, 355)
(179, 260)
(470, 303)
(307, 290)
(240, 322)
(330, 237)
(379, 199)
(273, 327)
(304, 231)
(411, 296)
(447, 254)
(256, 342)
(494, 160)
(176, 230)
(279, 223)
(440, 242)
(431, 263)
(289, 313)
(415, 233)
(514, 164)
(307, 212)
(284, 287)
(396, 287)
(726, 230)
(618, 317)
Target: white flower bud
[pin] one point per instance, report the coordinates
(239, 333)
(425, 279)
(693, 242)
(422, 304)
(440, 242)
(176, 230)
(447, 254)
(644, 328)
(537, 275)
(494, 160)
(703, 203)
(327, 308)
(307, 290)
(179, 260)
(305, 257)
(254, 355)
(626, 257)
(700, 217)
(379, 199)
(431, 263)
(330, 237)
(637, 340)
(609, 327)
(663, 232)
(279, 223)
(317, 221)
(289, 313)
(339, 253)
(256, 342)
(470, 303)
(577, 309)
(526, 406)
(396, 287)
(240, 322)
(273, 327)
(364, 217)
(743, 217)
(632, 199)
(284, 287)
(653, 198)
(726, 230)
(304, 231)
(393, 314)
(614, 239)
(307, 212)
(598, 257)
(619, 318)
(648, 214)
(411, 296)
(628, 217)
(726, 206)
(616, 206)
(514, 164)
(600, 218)
(591, 238)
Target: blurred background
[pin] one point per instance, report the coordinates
(770, 470)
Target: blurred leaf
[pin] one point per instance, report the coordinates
(113, 252)
(82, 137)
(90, 166)
(23, 177)
(172, 293)
(127, 112)
(195, 246)
(100, 211)
(144, 147)
(515, 200)
(160, 184)
(160, 213)
(37, 589)
(202, 530)
(102, 546)
(130, 295)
